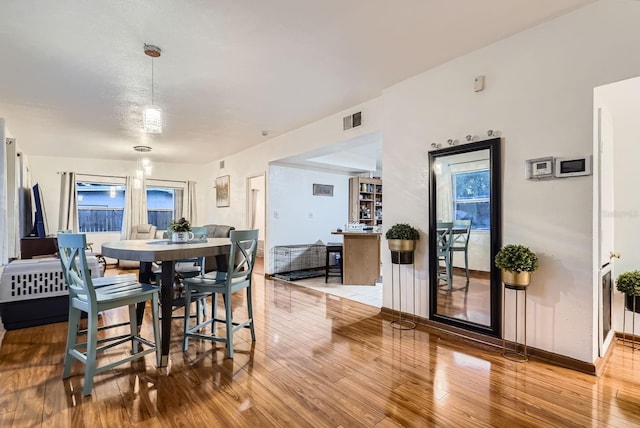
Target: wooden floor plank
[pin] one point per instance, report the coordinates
(318, 361)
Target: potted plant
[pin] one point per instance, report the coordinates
(629, 284)
(401, 239)
(517, 262)
(181, 230)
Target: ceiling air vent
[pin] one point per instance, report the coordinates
(352, 121)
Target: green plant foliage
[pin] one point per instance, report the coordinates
(181, 225)
(402, 231)
(629, 283)
(516, 258)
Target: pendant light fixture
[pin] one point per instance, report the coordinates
(143, 166)
(151, 114)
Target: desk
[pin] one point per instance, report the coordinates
(157, 250)
(361, 257)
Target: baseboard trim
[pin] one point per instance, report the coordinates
(494, 343)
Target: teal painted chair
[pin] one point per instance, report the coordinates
(244, 245)
(188, 268)
(460, 241)
(106, 294)
(443, 240)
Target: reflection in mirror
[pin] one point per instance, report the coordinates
(464, 235)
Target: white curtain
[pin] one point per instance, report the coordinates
(4, 229)
(189, 203)
(178, 198)
(444, 205)
(68, 213)
(253, 205)
(135, 205)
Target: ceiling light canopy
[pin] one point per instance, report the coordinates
(152, 114)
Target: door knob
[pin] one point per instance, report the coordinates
(613, 255)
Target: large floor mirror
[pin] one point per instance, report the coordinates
(465, 235)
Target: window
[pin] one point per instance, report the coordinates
(100, 207)
(471, 198)
(161, 205)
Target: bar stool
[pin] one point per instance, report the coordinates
(333, 248)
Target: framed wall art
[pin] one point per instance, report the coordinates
(222, 191)
(323, 189)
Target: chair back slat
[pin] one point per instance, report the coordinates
(75, 268)
(244, 244)
(461, 240)
(443, 236)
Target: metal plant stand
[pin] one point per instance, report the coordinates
(633, 323)
(399, 258)
(514, 354)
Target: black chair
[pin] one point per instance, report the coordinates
(335, 270)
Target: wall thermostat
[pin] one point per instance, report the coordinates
(572, 167)
(540, 168)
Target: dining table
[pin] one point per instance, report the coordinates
(166, 253)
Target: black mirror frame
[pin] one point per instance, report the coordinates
(494, 146)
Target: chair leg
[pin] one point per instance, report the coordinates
(466, 263)
(214, 312)
(229, 324)
(133, 325)
(155, 306)
(187, 310)
(198, 311)
(250, 313)
(92, 345)
(72, 335)
(326, 268)
(448, 272)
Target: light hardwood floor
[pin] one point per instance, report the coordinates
(319, 361)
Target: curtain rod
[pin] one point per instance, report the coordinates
(119, 176)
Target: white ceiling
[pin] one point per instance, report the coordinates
(74, 76)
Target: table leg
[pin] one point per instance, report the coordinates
(144, 276)
(166, 298)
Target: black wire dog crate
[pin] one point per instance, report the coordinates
(292, 262)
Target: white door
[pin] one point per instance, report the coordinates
(256, 202)
(604, 224)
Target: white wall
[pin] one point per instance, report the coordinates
(299, 217)
(539, 94)
(254, 161)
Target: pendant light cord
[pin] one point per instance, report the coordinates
(152, 103)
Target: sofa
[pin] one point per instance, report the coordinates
(221, 262)
(139, 231)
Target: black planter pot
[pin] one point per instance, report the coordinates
(402, 257)
(628, 302)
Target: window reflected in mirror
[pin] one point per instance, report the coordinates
(462, 215)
